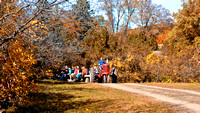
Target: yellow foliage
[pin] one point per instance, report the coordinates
(49, 73)
(153, 59)
(40, 26)
(16, 69)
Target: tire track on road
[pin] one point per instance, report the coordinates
(185, 99)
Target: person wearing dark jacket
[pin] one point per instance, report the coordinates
(66, 73)
(114, 74)
(62, 74)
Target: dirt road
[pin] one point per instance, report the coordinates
(186, 100)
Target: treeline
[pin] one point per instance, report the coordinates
(41, 36)
(131, 50)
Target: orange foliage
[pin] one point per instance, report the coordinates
(160, 38)
(16, 58)
(16, 70)
(34, 35)
(73, 28)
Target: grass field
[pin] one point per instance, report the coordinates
(189, 86)
(56, 96)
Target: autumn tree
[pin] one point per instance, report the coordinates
(99, 20)
(109, 8)
(21, 28)
(99, 43)
(186, 33)
(188, 21)
(149, 14)
(160, 38)
(130, 10)
(82, 14)
(182, 42)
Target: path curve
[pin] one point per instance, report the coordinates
(185, 99)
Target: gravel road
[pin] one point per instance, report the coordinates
(187, 100)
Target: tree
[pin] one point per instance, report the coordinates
(82, 14)
(130, 7)
(99, 20)
(82, 10)
(109, 8)
(21, 27)
(120, 9)
(160, 38)
(187, 25)
(149, 14)
(182, 43)
(16, 73)
(97, 43)
(186, 30)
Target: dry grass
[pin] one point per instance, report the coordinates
(189, 86)
(55, 96)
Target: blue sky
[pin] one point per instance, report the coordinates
(171, 5)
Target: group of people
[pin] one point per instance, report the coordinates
(113, 71)
(72, 74)
(77, 74)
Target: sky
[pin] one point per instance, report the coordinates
(171, 5)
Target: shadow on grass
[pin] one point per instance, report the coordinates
(57, 102)
(49, 81)
(51, 102)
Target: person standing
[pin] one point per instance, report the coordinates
(101, 62)
(107, 60)
(114, 74)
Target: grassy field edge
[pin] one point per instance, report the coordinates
(56, 96)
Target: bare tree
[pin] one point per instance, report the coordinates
(32, 10)
(120, 10)
(130, 7)
(149, 14)
(45, 24)
(109, 8)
